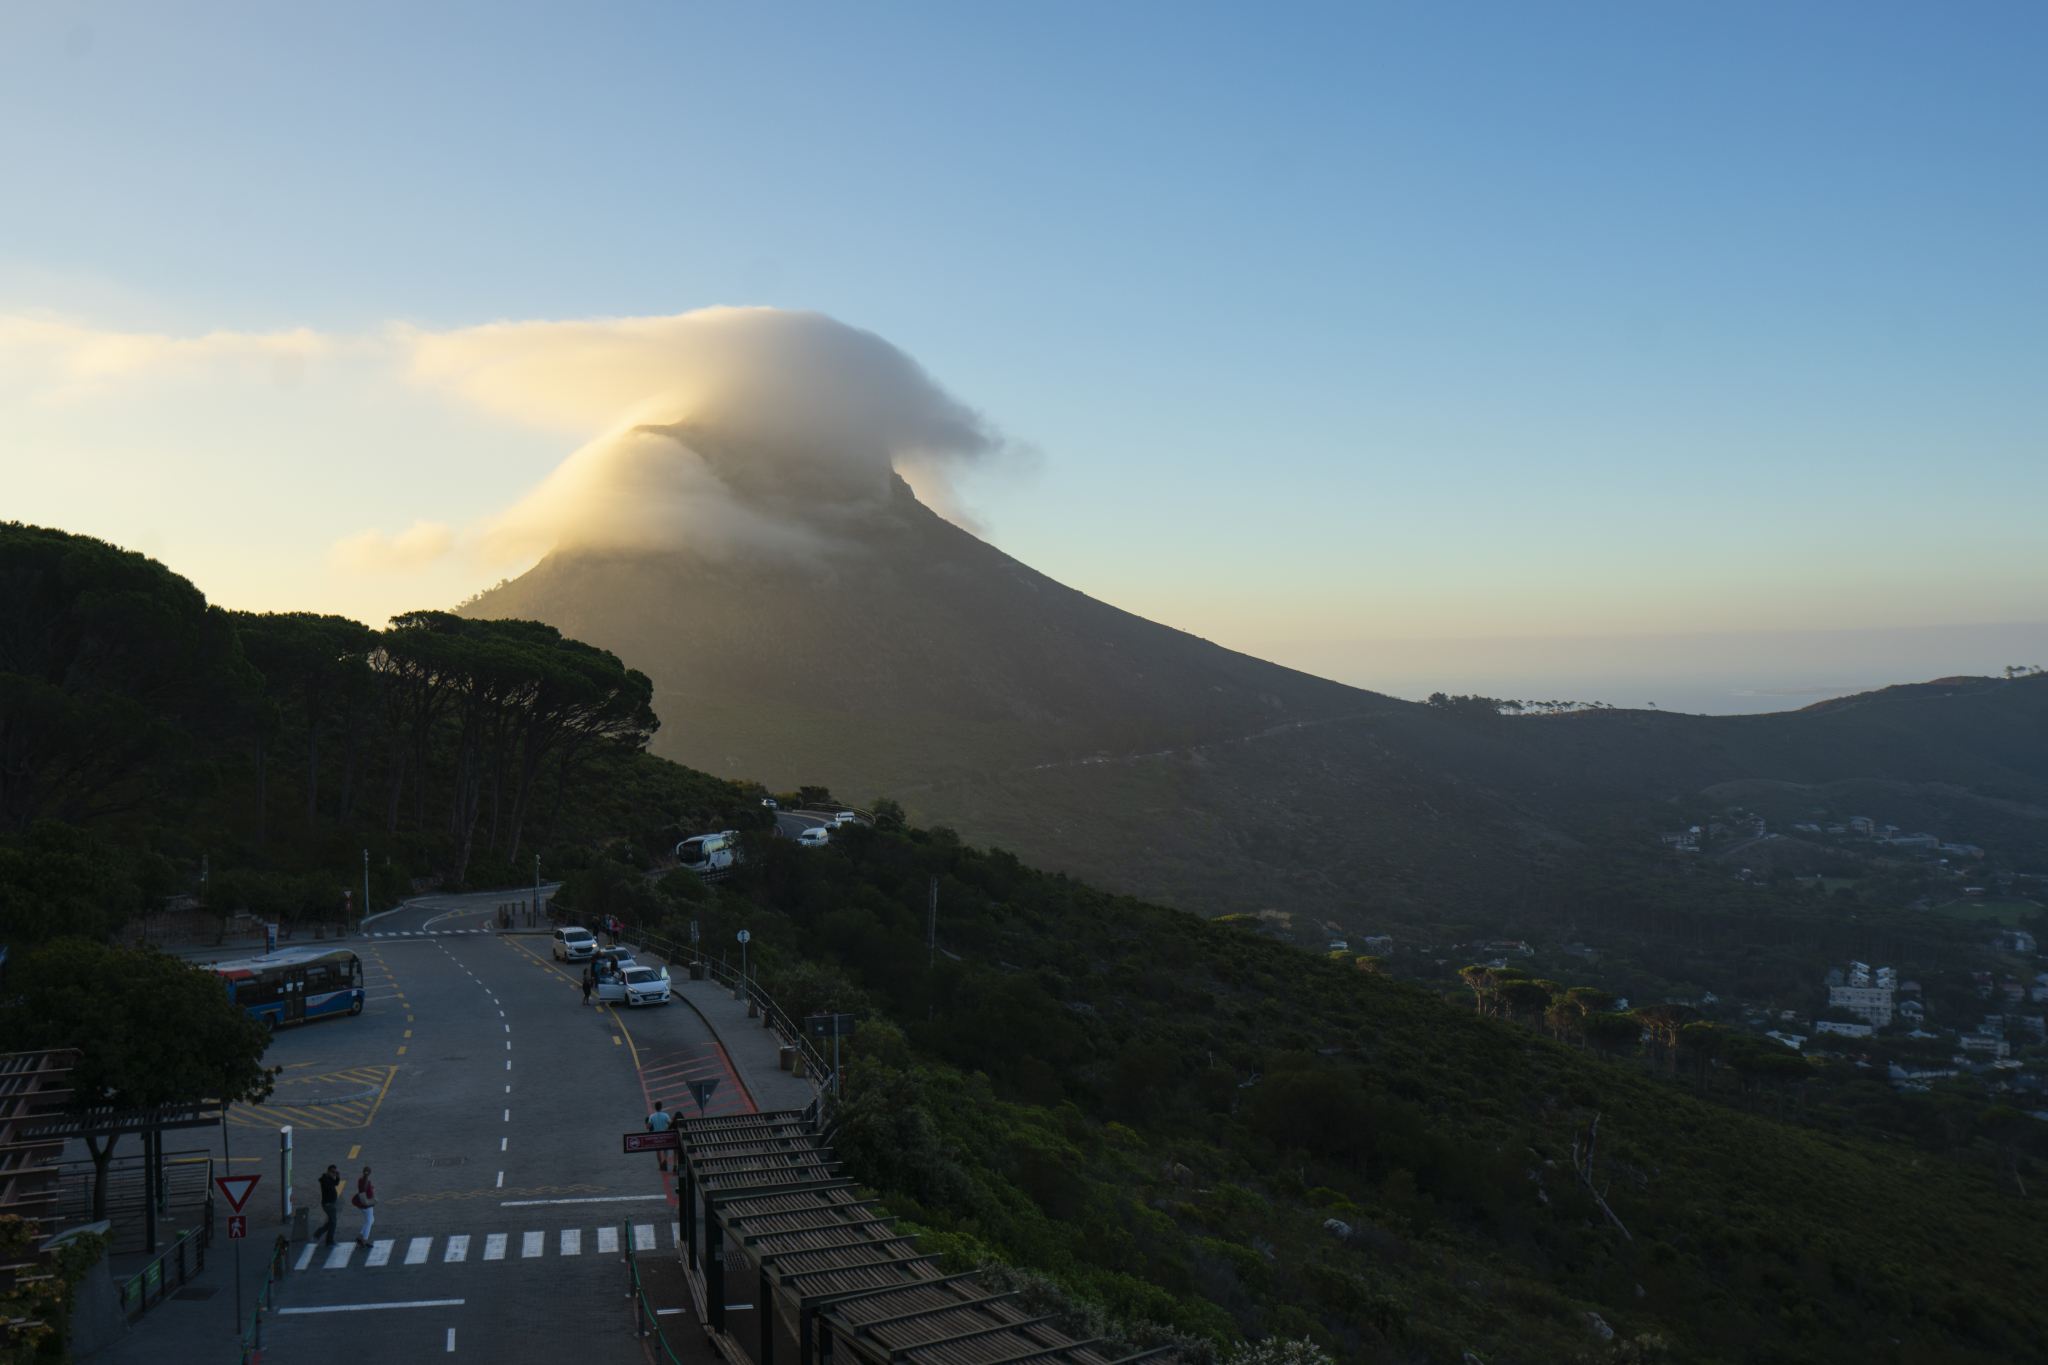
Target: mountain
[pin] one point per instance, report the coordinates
(904, 657)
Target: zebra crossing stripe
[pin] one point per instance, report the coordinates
(643, 1236)
(416, 1250)
(380, 1252)
(607, 1241)
(497, 1246)
(572, 1241)
(494, 1246)
(458, 1249)
(306, 1256)
(338, 1257)
(533, 1244)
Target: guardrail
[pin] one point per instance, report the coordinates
(185, 1257)
(646, 1321)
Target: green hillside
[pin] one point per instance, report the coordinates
(1162, 1113)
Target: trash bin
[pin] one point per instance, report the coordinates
(787, 1058)
(696, 971)
(796, 1065)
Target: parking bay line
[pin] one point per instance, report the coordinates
(365, 1307)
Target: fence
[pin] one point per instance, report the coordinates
(252, 1341)
(646, 1321)
(187, 1186)
(185, 1258)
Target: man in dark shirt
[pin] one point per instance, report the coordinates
(330, 1201)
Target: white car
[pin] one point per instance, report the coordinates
(845, 817)
(817, 836)
(645, 986)
(573, 944)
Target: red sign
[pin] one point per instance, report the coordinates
(654, 1142)
(238, 1225)
(236, 1188)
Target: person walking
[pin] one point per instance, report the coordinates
(366, 1200)
(659, 1122)
(330, 1203)
(589, 980)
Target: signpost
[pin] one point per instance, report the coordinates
(654, 1142)
(744, 936)
(284, 1165)
(237, 1189)
(269, 938)
(702, 1092)
(835, 1027)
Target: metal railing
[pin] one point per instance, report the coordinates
(646, 1321)
(184, 1258)
(252, 1340)
(772, 1015)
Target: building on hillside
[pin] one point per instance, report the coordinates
(1379, 943)
(1859, 974)
(2015, 941)
(1834, 977)
(1867, 1003)
(1912, 1012)
(1792, 1040)
(2035, 1024)
(1906, 843)
(1887, 978)
(1846, 1030)
(1862, 825)
(1984, 1042)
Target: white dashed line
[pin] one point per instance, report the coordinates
(501, 1143)
(501, 1180)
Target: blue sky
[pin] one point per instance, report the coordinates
(1337, 331)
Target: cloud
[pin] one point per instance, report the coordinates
(723, 430)
(715, 432)
(76, 361)
(410, 551)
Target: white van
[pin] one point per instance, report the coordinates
(817, 836)
(710, 852)
(574, 944)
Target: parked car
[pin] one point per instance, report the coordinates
(574, 944)
(817, 836)
(845, 817)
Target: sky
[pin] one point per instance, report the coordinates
(1683, 353)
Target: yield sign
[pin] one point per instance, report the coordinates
(236, 1188)
(701, 1091)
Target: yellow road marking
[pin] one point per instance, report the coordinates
(401, 1051)
(408, 1032)
(353, 1151)
(615, 1039)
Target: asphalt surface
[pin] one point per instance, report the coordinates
(490, 1103)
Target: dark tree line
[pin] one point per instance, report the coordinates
(123, 691)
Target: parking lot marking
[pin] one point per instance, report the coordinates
(457, 1250)
(494, 1246)
(416, 1250)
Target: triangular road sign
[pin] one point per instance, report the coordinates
(236, 1188)
(702, 1090)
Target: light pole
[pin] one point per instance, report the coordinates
(366, 883)
(744, 936)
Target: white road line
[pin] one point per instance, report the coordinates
(607, 1241)
(380, 1252)
(416, 1250)
(502, 1142)
(306, 1256)
(508, 1041)
(508, 1116)
(501, 1180)
(588, 1199)
(508, 1060)
(458, 1249)
(364, 1307)
(533, 1244)
(494, 1247)
(572, 1241)
(643, 1236)
(664, 1312)
(451, 1338)
(338, 1257)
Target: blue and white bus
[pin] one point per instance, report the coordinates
(293, 985)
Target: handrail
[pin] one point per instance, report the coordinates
(136, 1289)
(646, 1321)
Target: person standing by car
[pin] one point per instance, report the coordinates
(366, 1200)
(330, 1203)
(589, 980)
(658, 1122)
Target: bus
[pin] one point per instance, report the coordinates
(293, 985)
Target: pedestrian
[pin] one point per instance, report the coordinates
(330, 1202)
(589, 980)
(658, 1122)
(366, 1200)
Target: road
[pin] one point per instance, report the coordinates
(489, 1102)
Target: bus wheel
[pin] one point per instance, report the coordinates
(271, 1020)
(357, 1007)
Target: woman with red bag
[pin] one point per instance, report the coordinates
(366, 1200)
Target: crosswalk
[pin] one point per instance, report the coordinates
(496, 1246)
(422, 933)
